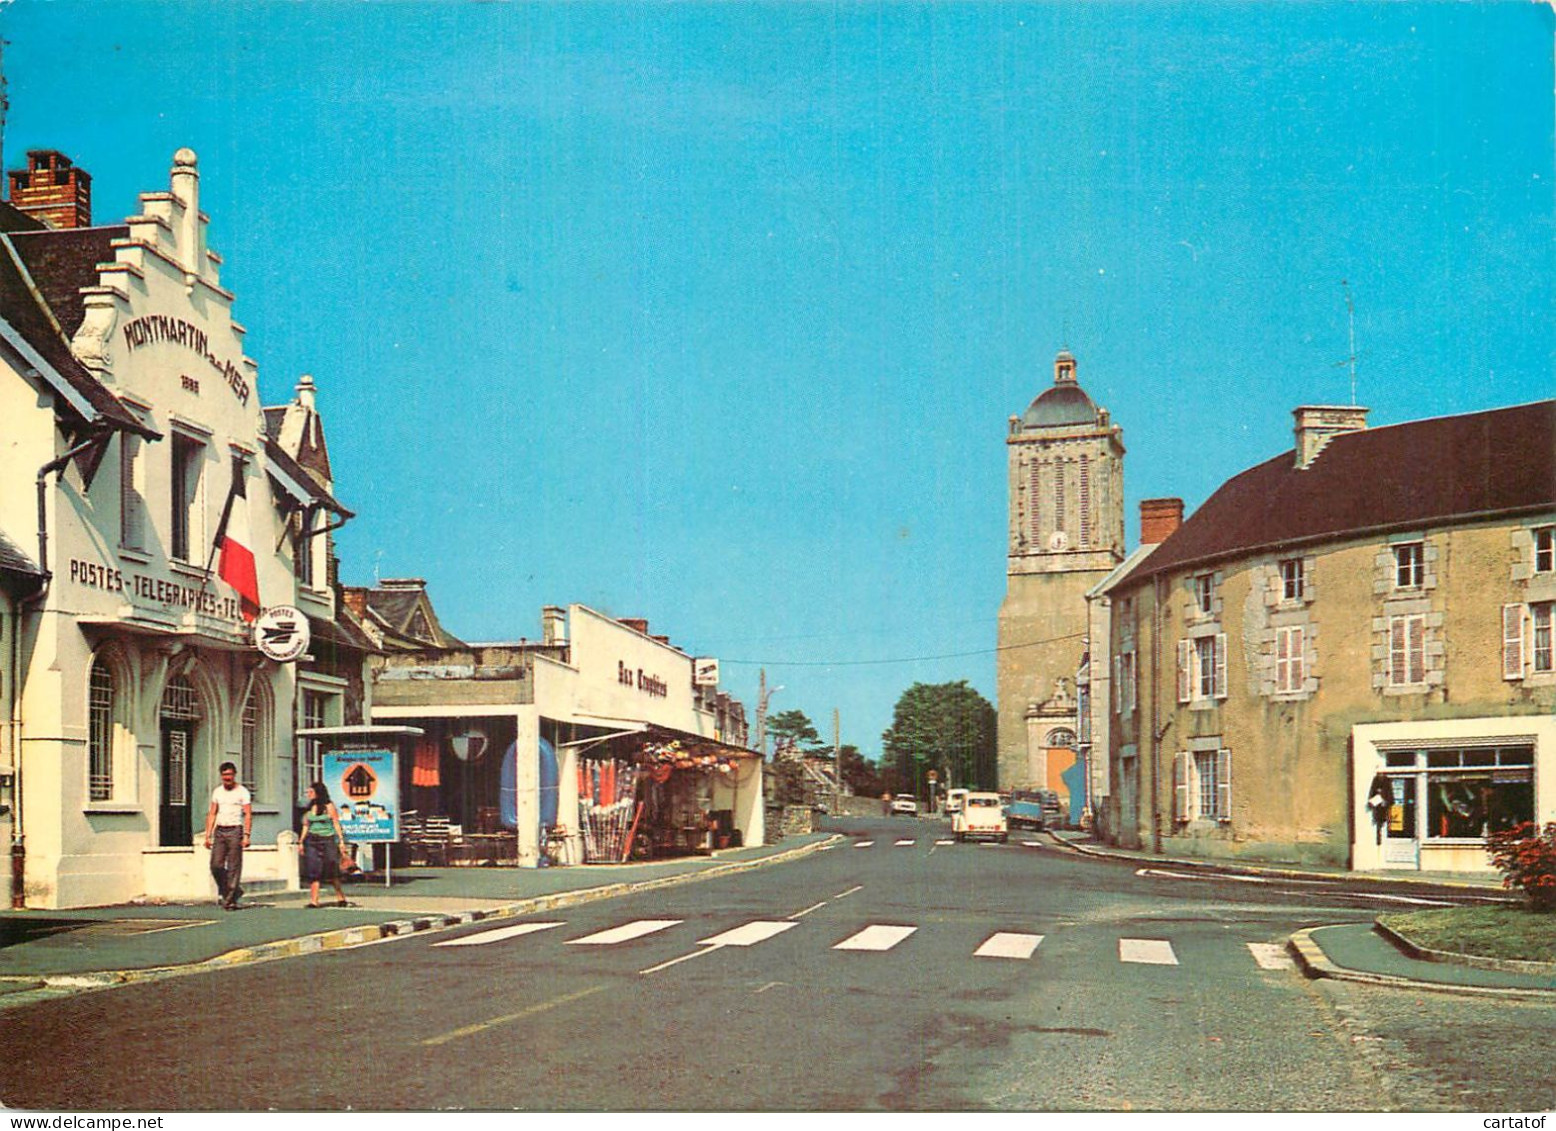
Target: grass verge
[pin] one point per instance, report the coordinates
(1491, 932)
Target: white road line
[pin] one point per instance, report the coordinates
(940, 842)
(905, 843)
(1033, 843)
(850, 891)
(864, 844)
(1008, 944)
(498, 934)
(1271, 956)
(875, 938)
(749, 934)
(1290, 882)
(1154, 952)
(808, 910)
(633, 930)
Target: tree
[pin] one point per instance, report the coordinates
(792, 727)
(859, 772)
(947, 727)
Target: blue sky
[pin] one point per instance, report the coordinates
(715, 314)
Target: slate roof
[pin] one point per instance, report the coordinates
(1422, 473)
(22, 307)
(18, 572)
(283, 461)
(62, 262)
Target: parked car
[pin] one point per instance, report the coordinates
(954, 799)
(982, 818)
(905, 804)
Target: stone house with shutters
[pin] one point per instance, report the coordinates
(1345, 656)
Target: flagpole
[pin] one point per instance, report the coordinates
(221, 527)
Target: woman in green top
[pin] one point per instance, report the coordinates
(321, 845)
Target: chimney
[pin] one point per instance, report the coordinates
(1158, 519)
(305, 391)
(553, 625)
(637, 624)
(52, 190)
(355, 599)
(403, 584)
(1316, 425)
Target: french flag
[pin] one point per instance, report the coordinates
(236, 564)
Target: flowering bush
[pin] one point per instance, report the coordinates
(1526, 857)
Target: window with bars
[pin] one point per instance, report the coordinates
(180, 701)
(1059, 515)
(1085, 502)
(100, 732)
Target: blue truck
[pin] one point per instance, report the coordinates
(1034, 809)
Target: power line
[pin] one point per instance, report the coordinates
(903, 659)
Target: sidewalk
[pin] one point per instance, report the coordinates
(110, 945)
(1357, 952)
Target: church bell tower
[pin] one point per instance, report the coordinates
(1066, 532)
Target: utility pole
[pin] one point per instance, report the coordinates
(762, 696)
(837, 765)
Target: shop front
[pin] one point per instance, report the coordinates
(1427, 794)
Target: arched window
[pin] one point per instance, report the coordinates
(254, 737)
(102, 706)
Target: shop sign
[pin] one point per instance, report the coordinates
(365, 786)
(281, 634)
(655, 687)
(147, 587)
(705, 671)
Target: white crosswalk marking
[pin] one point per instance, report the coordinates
(864, 844)
(875, 938)
(749, 934)
(636, 929)
(904, 843)
(1008, 944)
(1154, 952)
(940, 842)
(1271, 956)
(498, 934)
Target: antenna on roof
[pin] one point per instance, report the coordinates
(1350, 318)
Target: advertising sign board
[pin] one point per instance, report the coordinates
(365, 786)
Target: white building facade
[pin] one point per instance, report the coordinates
(135, 666)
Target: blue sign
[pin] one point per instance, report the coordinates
(365, 786)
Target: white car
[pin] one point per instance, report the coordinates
(982, 818)
(904, 803)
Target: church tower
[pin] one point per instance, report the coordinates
(1066, 461)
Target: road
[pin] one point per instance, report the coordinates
(894, 972)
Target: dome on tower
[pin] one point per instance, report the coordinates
(1065, 403)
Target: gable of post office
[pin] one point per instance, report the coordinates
(139, 675)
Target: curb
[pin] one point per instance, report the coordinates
(1313, 962)
(345, 938)
(1458, 958)
(1491, 894)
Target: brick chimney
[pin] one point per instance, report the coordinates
(1316, 425)
(1158, 519)
(53, 190)
(637, 624)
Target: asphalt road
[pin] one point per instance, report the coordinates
(873, 976)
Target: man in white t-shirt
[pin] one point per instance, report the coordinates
(230, 819)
